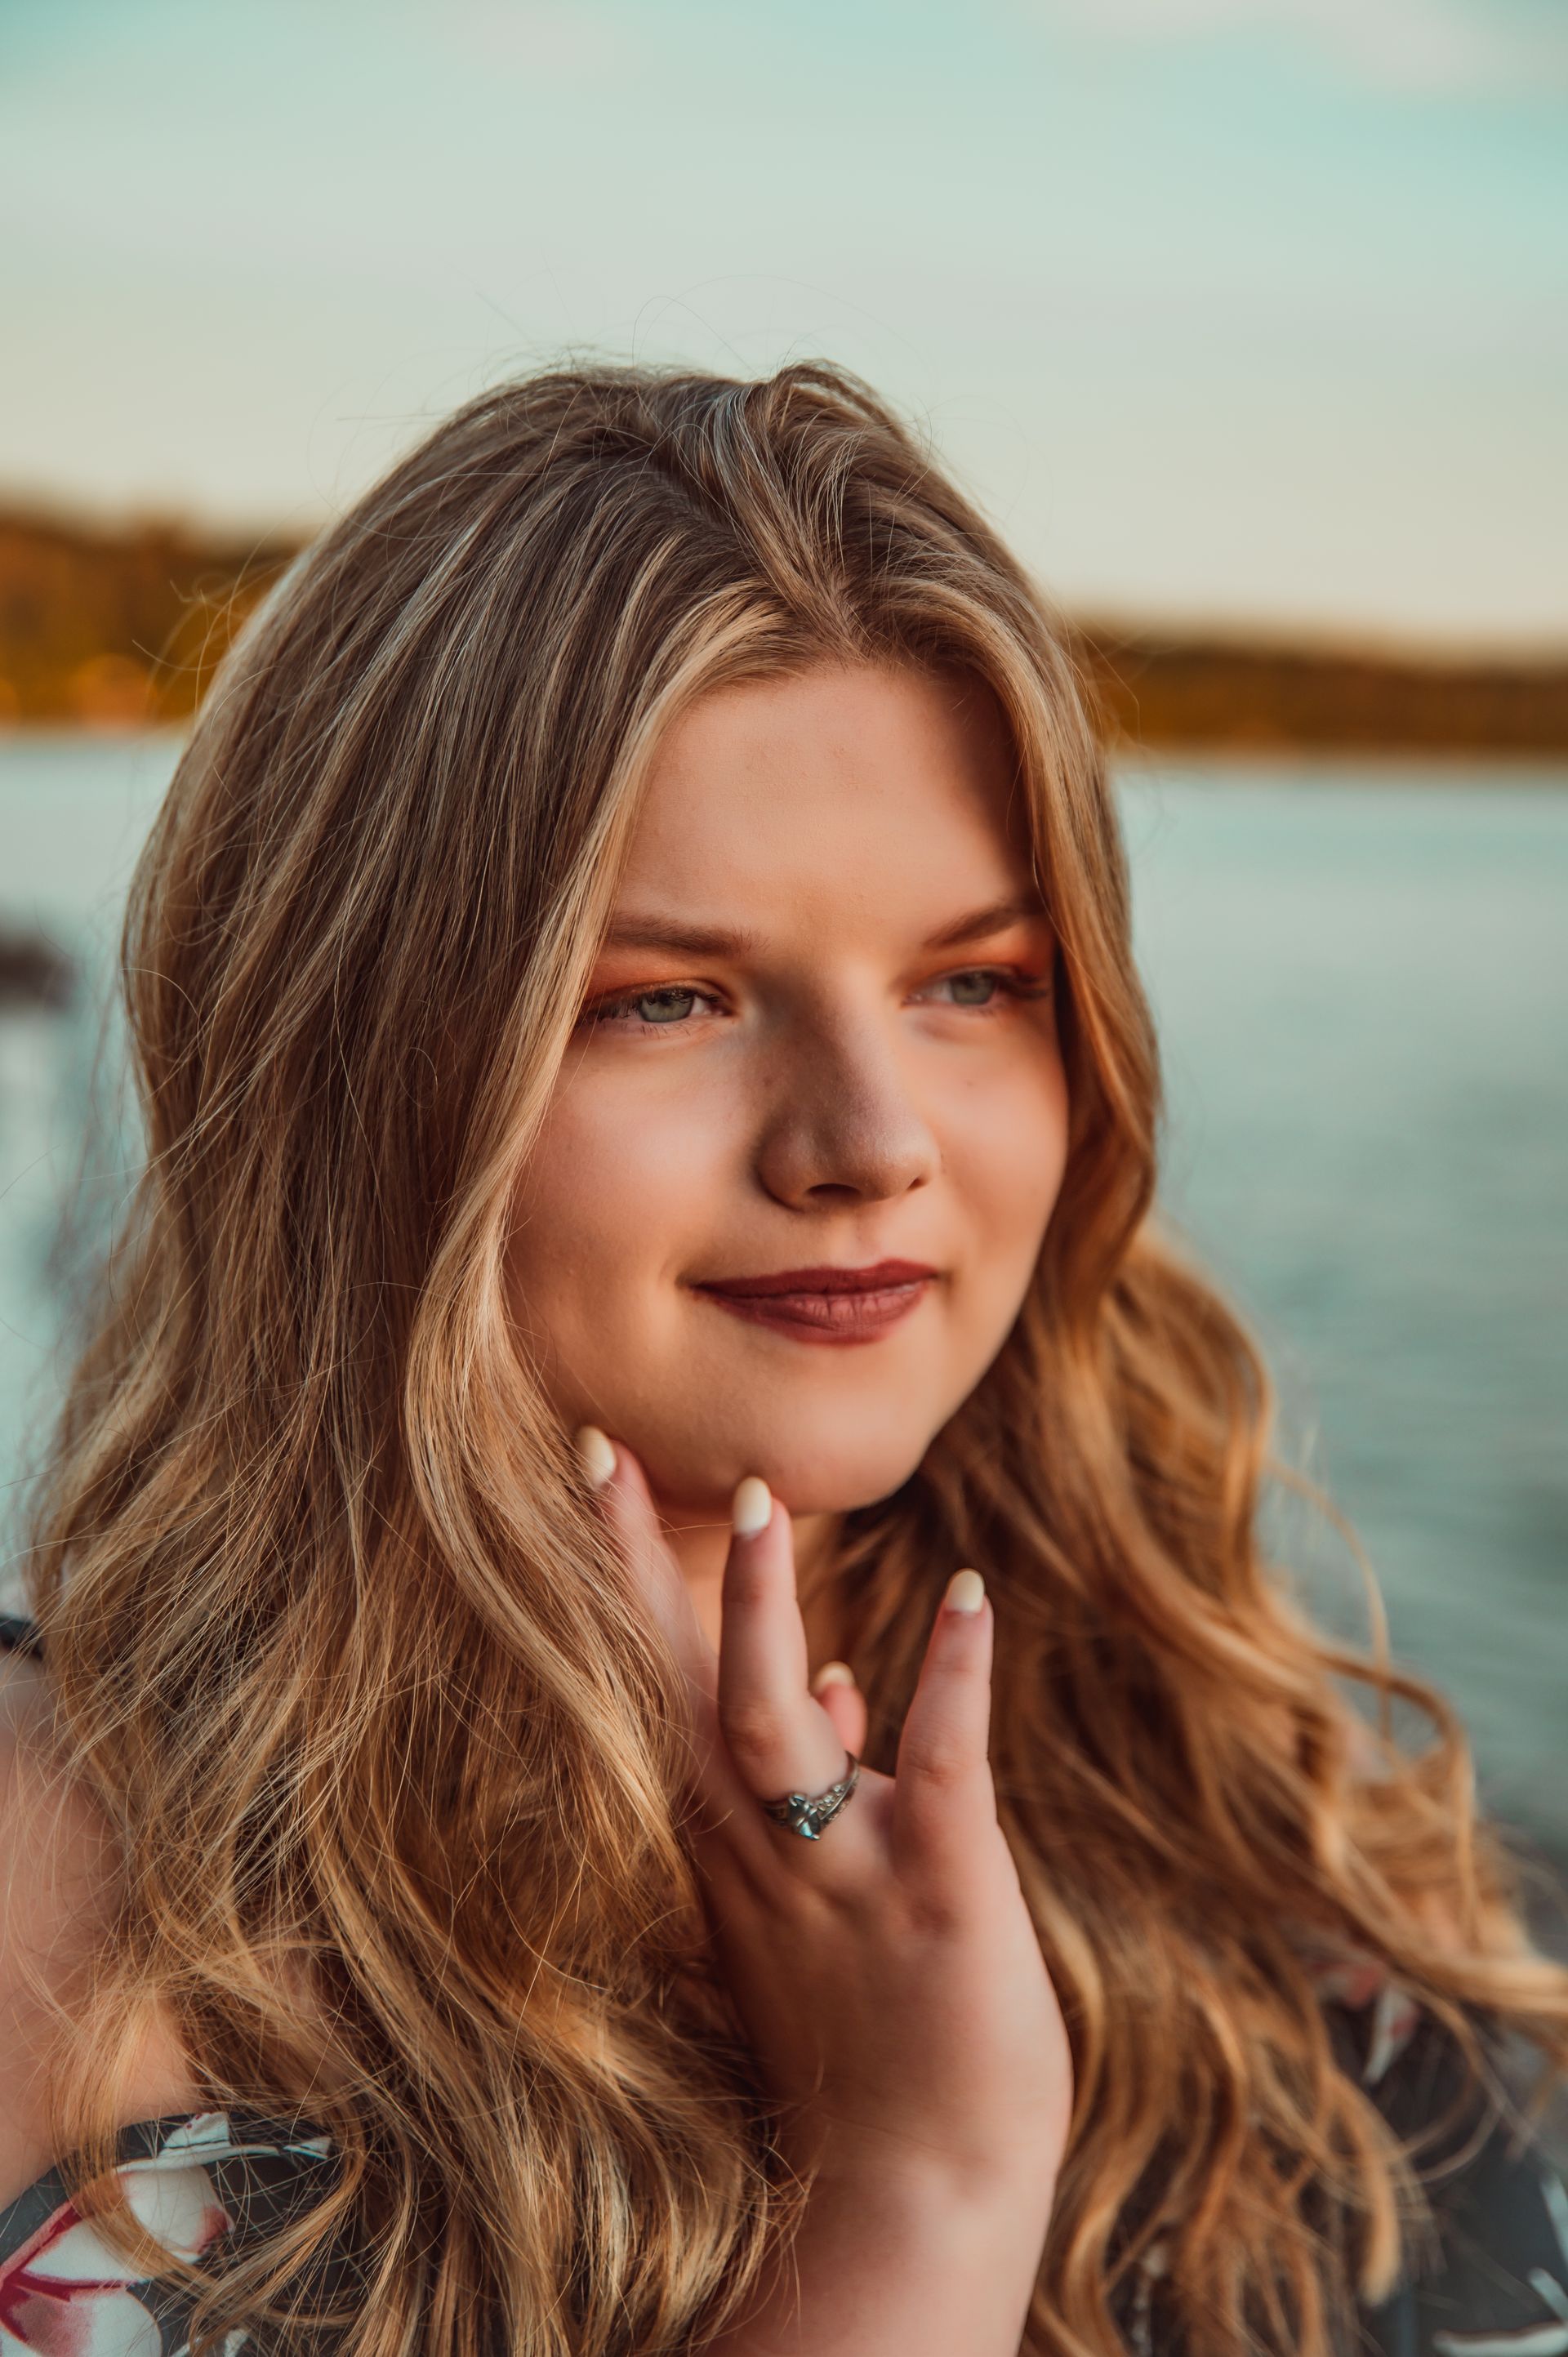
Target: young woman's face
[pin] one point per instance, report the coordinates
(797, 1166)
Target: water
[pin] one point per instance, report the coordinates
(1361, 980)
(1362, 987)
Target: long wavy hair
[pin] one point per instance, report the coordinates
(336, 1644)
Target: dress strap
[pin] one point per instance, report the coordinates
(20, 1635)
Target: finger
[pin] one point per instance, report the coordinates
(780, 1739)
(943, 1796)
(621, 1487)
(835, 1689)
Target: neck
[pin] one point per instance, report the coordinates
(700, 1547)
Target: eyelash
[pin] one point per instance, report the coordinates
(1015, 986)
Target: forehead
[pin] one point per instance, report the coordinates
(841, 784)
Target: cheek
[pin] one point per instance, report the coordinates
(606, 1206)
(1007, 1155)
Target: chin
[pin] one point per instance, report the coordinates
(831, 1456)
(813, 1466)
(849, 1479)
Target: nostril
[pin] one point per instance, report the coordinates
(839, 1142)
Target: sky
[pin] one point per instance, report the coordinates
(1235, 312)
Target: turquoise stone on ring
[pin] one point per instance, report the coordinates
(807, 1813)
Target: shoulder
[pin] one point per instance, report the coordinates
(60, 1888)
(58, 1866)
(54, 1891)
(1491, 2272)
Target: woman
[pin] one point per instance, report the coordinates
(652, 1117)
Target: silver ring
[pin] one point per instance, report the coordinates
(807, 1813)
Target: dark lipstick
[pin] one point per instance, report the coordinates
(825, 1304)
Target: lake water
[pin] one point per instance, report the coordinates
(1361, 979)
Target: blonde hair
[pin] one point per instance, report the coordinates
(340, 1649)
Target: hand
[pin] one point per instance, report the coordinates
(887, 1974)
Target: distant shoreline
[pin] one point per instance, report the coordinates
(1162, 691)
(121, 628)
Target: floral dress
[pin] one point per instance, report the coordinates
(1498, 2287)
(1496, 2284)
(190, 2181)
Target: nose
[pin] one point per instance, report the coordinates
(843, 1127)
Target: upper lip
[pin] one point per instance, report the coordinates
(880, 1277)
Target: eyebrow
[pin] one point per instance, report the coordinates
(638, 932)
(1023, 907)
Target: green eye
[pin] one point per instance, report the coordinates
(662, 1010)
(663, 1005)
(976, 988)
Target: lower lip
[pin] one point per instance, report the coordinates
(837, 1319)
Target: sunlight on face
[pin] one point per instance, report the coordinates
(802, 1151)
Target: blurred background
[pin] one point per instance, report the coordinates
(1244, 319)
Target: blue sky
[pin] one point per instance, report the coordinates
(1245, 310)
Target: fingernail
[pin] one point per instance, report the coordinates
(966, 1592)
(833, 1673)
(596, 1455)
(752, 1507)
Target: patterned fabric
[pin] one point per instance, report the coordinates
(64, 2293)
(1497, 2287)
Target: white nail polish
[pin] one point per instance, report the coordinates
(966, 1592)
(833, 1673)
(752, 1507)
(596, 1455)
